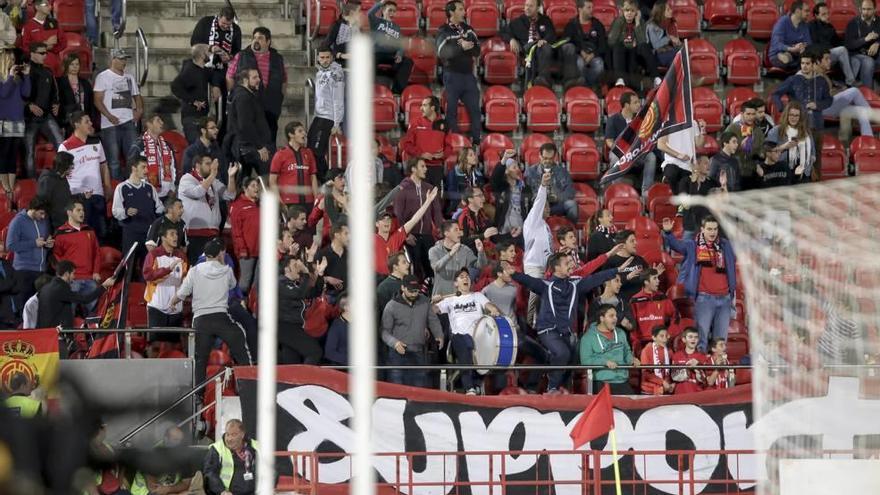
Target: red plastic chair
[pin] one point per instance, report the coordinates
(865, 153)
(708, 107)
(499, 64)
(619, 190)
(710, 146)
(484, 18)
(560, 12)
(704, 61)
(421, 51)
(384, 108)
(492, 146)
(178, 144)
(70, 15)
(580, 153)
(721, 15)
(658, 190)
(5, 219)
(110, 259)
(137, 306)
(840, 12)
(612, 99)
(542, 109)
(582, 109)
(687, 17)
(623, 209)
(434, 12)
(761, 16)
(322, 18)
(501, 109)
(408, 17)
(742, 62)
(606, 12)
(23, 192)
(513, 9)
(530, 147)
(833, 158)
(588, 203)
(411, 100)
(736, 97)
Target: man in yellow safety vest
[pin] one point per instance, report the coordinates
(231, 463)
(19, 400)
(166, 483)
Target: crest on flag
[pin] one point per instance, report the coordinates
(667, 110)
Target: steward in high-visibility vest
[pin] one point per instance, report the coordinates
(166, 483)
(231, 463)
(19, 400)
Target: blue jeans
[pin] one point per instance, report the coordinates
(560, 350)
(462, 87)
(866, 68)
(713, 317)
(840, 55)
(851, 104)
(412, 378)
(85, 286)
(92, 21)
(117, 140)
(569, 208)
(463, 348)
(592, 71)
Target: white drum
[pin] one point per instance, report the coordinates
(495, 342)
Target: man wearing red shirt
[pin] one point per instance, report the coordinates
(689, 380)
(244, 215)
(650, 308)
(387, 242)
(77, 242)
(293, 170)
(426, 139)
(42, 28)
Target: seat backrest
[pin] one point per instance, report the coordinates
(538, 93)
(534, 141)
(619, 190)
(382, 92)
(658, 190)
(576, 93)
(578, 141)
(701, 46)
(498, 92)
(864, 143)
(612, 99)
(738, 45)
(414, 92)
(495, 141)
(736, 97)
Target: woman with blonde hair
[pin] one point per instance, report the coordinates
(629, 43)
(14, 89)
(794, 139)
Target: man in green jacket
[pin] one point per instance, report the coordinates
(605, 344)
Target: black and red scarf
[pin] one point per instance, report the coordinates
(219, 37)
(710, 254)
(209, 193)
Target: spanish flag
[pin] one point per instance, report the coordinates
(32, 352)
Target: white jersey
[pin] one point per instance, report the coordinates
(464, 311)
(87, 159)
(682, 142)
(536, 233)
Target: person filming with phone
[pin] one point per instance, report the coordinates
(560, 193)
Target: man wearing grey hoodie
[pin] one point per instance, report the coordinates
(404, 320)
(209, 283)
(449, 256)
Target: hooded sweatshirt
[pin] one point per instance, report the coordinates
(405, 322)
(208, 283)
(446, 265)
(597, 349)
(22, 240)
(806, 89)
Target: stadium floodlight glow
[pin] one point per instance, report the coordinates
(268, 345)
(362, 281)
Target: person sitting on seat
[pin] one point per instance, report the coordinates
(606, 344)
(689, 380)
(657, 381)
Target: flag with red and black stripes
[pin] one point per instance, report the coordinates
(666, 110)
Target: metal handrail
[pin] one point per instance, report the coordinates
(225, 373)
(307, 98)
(313, 33)
(190, 336)
(145, 46)
(121, 31)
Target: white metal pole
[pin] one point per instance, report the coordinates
(362, 293)
(268, 333)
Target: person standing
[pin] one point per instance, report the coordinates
(329, 107)
(425, 138)
(606, 344)
(223, 37)
(43, 28)
(171, 219)
(457, 49)
(294, 171)
(560, 190)
(538, 241)
(449, 255)
(614, 127)
(75, 93)
(413, 193)
(709, 275)
(244, 215)
(205, 145)
(336, 347)
(136, 205)
(725, 163)
(90, 176)
(273, 77)
(54, 188)
(296, 285)
(512, 195)
(251, 136)
(164, 269)
(209, 283)
(29, 238)
(192, 87)
(201, 192)
(151, 147)
(42, 105)
(15, 90)
(388, 42)
(386, 242)
(406, 321)
(118, 99)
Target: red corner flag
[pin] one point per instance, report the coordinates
(597, 420)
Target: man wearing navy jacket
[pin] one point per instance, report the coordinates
(136, 205)
(457, 48)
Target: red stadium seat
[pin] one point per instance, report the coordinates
(434, 12)
(722, 15)
(687, 17)
(833, 158)
(501, 108)
(865, 154)
(484, 18)
(44, 156)
(863, 143)
(499, 64)
(76, 43)
(710, 146)
(660, 208)
(137, 306)
(588, 202)
(742, 62)
(464, 118)
(658, 190)
(421, 51)
(580, 153)
(457, 142)
(612, 99)
(384, 108)
(582, 109)
(23, 192)
(513, 9)
(411, 101)
(840, 12)
(708, 107)
(606, 12)
(70, 15)
(110, 258)
(623, 209)
(542, 109)
(408, 17)
(619, 190)
(531, 145)
(560, 12)
(178, 144)
(492, 146)
(644, 227)
(736, 97)
(761, 16)
(704, 61)
(322, 19)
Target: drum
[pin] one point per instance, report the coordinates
(495, 342)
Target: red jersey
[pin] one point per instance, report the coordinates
(33, 31)
(294, 169)
(79, 245)
(382, 249)
(696, 379)
(650, 309)
(713, 282)
(244, 215)
(425, 136)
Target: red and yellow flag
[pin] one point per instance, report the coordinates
(32, 352)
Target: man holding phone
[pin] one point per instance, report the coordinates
(560, 192)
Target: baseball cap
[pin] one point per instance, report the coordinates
(119, 53)
(384, 215)
(769, 144)
(411, 282)
(41, 2)
(214, 247)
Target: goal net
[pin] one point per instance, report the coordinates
(808, 260)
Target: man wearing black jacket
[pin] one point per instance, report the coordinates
(42, 105)
(822, 33)
(532, 36)
(53, 186)
(248, 128)
(583, 57)
(862, 39)
(512, 195)
(191, 88)
(57, 299)
(457, 47)
(294, 287)
(223, 37)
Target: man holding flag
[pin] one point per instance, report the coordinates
(666, 111)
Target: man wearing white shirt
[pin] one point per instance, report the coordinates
(679, 151)
(90, 176)
(118, 98)
(465, 309)
(538, 241)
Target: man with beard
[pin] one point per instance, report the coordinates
(191, 88)
(273, 78)
(406, 320)
(250, 134)
(297, 285)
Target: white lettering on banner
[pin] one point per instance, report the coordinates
(322, 412)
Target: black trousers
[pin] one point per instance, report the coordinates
(272, 120)
(319, 142)
(625, 62)
(158, 319)
(399, 72)
(219, 325)
(616, 388)
(131, 235)
(297, 347)
(419, 255)
(24, 280)
(673, 174)
(542, 62)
